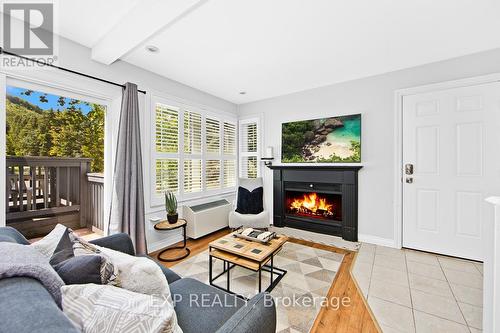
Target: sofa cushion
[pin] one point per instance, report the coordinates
(169, 274)
(28, 307)
(258, 315)
(138, 274)
(118, 242)
(198, 305)
(103, 308)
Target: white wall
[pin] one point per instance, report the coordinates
(374, 98)
(77, 57)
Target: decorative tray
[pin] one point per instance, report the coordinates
(253, 234)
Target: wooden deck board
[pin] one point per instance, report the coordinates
(85, 233)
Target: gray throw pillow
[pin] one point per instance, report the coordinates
(109, 271)
(64, 249)
(80, 270)
(77, 262)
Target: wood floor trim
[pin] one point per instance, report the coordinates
(361, 293)
(357, 317)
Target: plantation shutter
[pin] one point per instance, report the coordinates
(229, 139)
(212, 174)
(192, 176)
(192, 132)
(167, 129)
(249, 167)
(249, 138)
(229, 173)
(212, 135)
(249, 149)
(166, 145)
(167, 175)
(193, 152)
(229, 162)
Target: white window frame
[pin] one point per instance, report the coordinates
(242, 154)
(157, 199)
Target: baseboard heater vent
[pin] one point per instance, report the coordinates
(206, 218)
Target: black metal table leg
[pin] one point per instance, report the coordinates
(209, 267)
(184, 246)
(227, 266)
(260, 279)
(272, 266)
(228, 277)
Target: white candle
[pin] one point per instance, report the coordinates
(269, 152)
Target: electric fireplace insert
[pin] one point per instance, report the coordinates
(322, 199)
(313, 205)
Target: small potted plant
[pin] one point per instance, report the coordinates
(171, 207)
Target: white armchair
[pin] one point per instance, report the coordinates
(260, 220)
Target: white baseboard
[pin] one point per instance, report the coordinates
(377, 240)
(167, 241)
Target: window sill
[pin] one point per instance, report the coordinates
(157, 205)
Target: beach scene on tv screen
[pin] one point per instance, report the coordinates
(327, 140)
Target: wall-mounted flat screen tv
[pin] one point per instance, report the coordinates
(326, 140)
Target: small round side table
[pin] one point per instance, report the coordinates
(164, 225)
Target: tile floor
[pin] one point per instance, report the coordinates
(412, 291)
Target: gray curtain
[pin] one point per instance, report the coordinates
(127, 198)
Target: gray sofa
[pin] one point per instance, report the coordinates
(28, 307)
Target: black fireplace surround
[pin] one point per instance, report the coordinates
(338, 184)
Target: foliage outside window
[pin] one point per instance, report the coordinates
(167, 174)
(199, 149)
(41, 124)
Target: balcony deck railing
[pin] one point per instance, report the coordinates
(96, 201)
(44, 191)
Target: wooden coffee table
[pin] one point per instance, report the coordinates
(251, 255)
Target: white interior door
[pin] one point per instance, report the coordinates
(451, 137)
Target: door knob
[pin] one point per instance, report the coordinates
(409, 180)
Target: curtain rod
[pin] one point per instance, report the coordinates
(2, 51)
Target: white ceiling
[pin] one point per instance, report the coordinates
(274, 47)
(87, 21)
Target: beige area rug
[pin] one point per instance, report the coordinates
(317, 238)
(298, 296)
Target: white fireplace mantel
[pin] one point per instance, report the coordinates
(491, 287)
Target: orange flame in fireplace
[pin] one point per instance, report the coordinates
(311, 202)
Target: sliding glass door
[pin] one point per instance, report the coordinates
(54, 143)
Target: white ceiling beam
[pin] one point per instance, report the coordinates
(146, 19)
